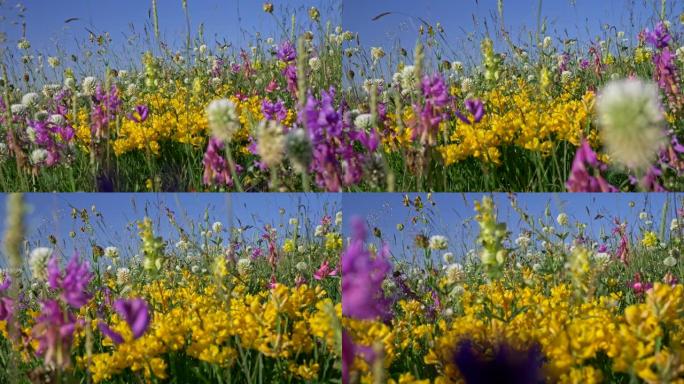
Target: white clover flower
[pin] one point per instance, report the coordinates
(338, 218)
(523, 241)
(631, 122)
(454, 272)
(377, 53)
(57, 119)
(24, 45)
(223, 119)
(270, 41)
(566, 76)
(39, 155)
(536, 267)
(217, 226)
(123, 276)
(111, 252)
(244, 266)
(674, 225)
(53, 61)
(547, 42)
(38, 261)
(270, 142)
(182, 245)
(89, 86)
(203, 49)
(448, 257)
(467, 85)
(409, 79)
(319, 231)
(30, 100)
(562, 219)
(364, 121)
(643, 215)
(122, 74)
(69, 83)
(315, 64)
(294, 221)
(194, 269)
(670, 261)
(301, 248)
(18, 109)
(457, 66)
(438, 242)
(302, 266)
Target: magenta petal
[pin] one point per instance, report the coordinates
(135, 313)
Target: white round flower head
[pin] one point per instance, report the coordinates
(195, 269)
(294, 221)
(24, 45)
(18, 109)
(122, 74)
(566, 76)
(31, 133)
(301, 266)
(30, 100)
(69, 83)
(523, 241)
(89, 86)
(547, 42)
(123, 276)
(562, 219)
(223, 119)
(39, 155)
(602, 257)
(270, 142)
(409, 80)
(203, 49)
(131, 89)
(377, 53)
(57, 119)
(244, 266)
(457, 66)
(41, 115)
(38, 261)
(536, 267)
(112, 252)
(301, 248)
(182, 245)
(467, 85)
(670, 261)
(448, 257)
(217, 226)
(438, 242)
(674, 225)
(364, 121)
(454, 272)
(49, 90)
(338, 218)
(319, 231)
(631, 122)
(643, 215)
(315, 64)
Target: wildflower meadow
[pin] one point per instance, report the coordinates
(313, 107)
(521, 289)
(176, 297)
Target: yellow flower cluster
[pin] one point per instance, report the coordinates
(519, 115)
(208, 323)
(646, 339)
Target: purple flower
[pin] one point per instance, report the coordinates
(362, 277)
(135, 313)
(140, 114)
(6, 304)
(658, 38)
(476, 108)
(286, 52)
(499, 364)
(581, 180)
(73, 283)
(215, 165)
(54, 330)
(274, 111)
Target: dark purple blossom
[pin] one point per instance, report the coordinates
(286, 52)
(54, 330)
(140, 114)
(72, 283)
(135, 313)
(658, 38)
(476, 109)
(274, 110)
(500, 364)
(581, 180)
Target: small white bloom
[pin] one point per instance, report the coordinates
(643, 215)
(30, 100)
(602, 257)
(217, 226)
(18, 109)
(547, 42)
(244, 266)
(223, 119)
(448, 257)
(301, 266)
(315, 64)
(364, 121)
(438, 242)
(319, 231)
(38, 261)
(294, 221)
(562, 219)
(123, 276)
(39, 155)
(195, 269)
(57, 119)
(112, 252)
(53, 61)
(523, 241)
(670, 261)
(674, 225)
(89, 86)
(338, 218)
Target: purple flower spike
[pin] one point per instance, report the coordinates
(286, 52)
(135, 313)
(658, 38)
(73, 283)
(581, 180)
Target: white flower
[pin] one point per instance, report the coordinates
(24, 45)
(131, 89)
(438, 242)
(38, 261)
(69, 83)
(377, 53)
(448, 257)
(112, 252)
(270, 142)
(30, 100)
(566, 76)
(39, 155)
(536, 267)
(123, 276)
(53, 61)
(319, 231)
(631, 122)
(467, 85)
(674, 225)
(182, 245)
(547, 42)
(301, 248)
(217, 226)
(364, 121)
(338, 218)
(122, 74)
(18, 109)
(457, 66)
(602, 257)
(194, 269)
(408, 78)
(244, 266)
(294, 221)
(643, 215)
(523, 241)
(670, 261)
(203, 49)
(89, 86)
(562, 219)
(223, 119)
(301, 266)
(454, 272)
(315, 64)
(57, 119)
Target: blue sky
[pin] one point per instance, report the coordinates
(50, 213)
(223, 19)
(450, 216)
(582, 19)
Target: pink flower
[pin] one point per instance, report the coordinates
(324, 271)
